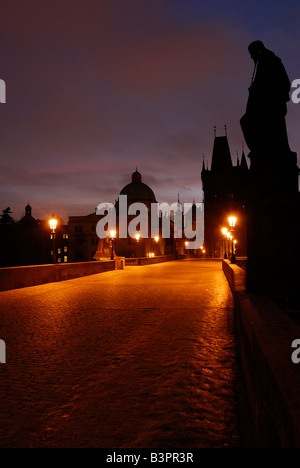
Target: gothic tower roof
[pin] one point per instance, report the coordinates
(221, 157)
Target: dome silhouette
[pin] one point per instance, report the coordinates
(137, 191)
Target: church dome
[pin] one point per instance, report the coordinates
(137, 191)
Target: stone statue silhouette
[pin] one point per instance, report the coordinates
(272, 191)
(263, 124)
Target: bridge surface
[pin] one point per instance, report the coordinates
(141, 358)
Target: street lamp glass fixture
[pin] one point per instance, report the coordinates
(232, 221)
(156, 238)
(53, 223)
(112, 235)
(224, 231)
(137, 236)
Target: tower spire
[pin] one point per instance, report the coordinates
(203, 163)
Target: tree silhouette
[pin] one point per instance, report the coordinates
(6, 217)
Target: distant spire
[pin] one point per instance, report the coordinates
(136, 176)
(244, 164)
(28, 210)
(203, 163)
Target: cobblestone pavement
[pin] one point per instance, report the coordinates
(141, 358)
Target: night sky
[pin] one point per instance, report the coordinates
(96, 88)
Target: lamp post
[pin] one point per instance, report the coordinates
(112, 235)
(186, 248)
(53, 224)
(228, 236)
(232, 221)
(138, 236)
(234, 245)
(156, 249)
(224, 232)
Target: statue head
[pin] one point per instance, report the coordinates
(255, 49)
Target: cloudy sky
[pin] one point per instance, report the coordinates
(96, 88)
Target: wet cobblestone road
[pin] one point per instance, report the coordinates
(141, 358)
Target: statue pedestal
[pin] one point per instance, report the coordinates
(273, 266)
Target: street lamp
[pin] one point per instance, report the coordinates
(112, 235)
(186, 248)
(234, 244)
(156, 248)
(137, 237)
(224, 232)
(232, 221)
(53, 224)
(228, 236)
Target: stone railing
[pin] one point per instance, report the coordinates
(265, 335)
(20, 277)
(149, 260)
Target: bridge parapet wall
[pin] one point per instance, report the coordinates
(20, 277)
(265, 334)
(149, 260)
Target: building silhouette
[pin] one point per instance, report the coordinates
(83, 239)
(85, 245)
(225, 193)
(29, 241)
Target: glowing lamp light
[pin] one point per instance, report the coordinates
(53, 223)
(224, 231)
(232, 221)
(156, 238)
(137, 236)
(112, 234)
